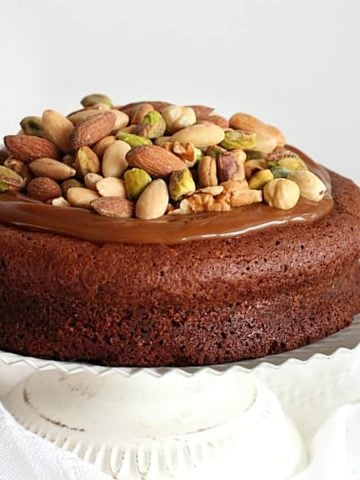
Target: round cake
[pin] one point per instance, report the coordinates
(234, 269)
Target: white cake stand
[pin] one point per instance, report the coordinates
(175, 423)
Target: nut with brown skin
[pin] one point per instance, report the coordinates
(156, 161)
(92, 130)
(114, 207)
(28, 148)
(57, 129)
(71, 183)
(43, 189)
(229, 167)
(48, 167)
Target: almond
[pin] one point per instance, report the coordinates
(81, 197)
(28, 148)
(201, 111)
(157, 161)
(153, 201)
(113, 207)
(100, 147)
(57, 128)
(114, 159)
(111, 187)
(249, 123)
(43, 188)
(80, 115)
(92, 130)
(217, 120)
(48, 167)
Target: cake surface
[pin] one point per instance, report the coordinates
(197, 303)
(151, 234)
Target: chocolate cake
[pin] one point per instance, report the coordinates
(195, 252)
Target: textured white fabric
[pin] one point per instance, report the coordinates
(334, 452)
(25, 456)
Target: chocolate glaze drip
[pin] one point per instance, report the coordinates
(20, 211)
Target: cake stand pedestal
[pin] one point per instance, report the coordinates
(146, 427)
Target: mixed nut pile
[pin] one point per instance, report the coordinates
(147, 159)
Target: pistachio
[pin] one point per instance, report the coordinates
(214, 151)
(140, 111)
(71, 183)
(48, 167)
(292, 163)
(261, 178)
(281, 193)
(59, 202)
(177, 117)
(91, 179)
(229, 168)
(207, 175)
(200, 135)
(181, 184)
(310, 185)
(253, 166)
(114, 159)
(86, 161)
(111, 187)
(153, 200)
(96, 99)
(136, 180)
(133, 140)
(9, 179)
(249, 123)
(100, 147)
(239, 139)
(115, 207)
(32, 126)
(21, 168)
(81, 197)
(280, 172)
(152, 125)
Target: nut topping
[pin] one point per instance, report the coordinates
(153, 158)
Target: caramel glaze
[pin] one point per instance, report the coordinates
(21, 211)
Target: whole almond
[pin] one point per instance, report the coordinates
(201, 111)
(92, 130)
(114, 159)
(57, 129)
(200, 135)
(81, 197)
(155, 160)
(153, 201)
(113, 207)
(80, 115)
(111, 187)
(100, 147)
(48, 167)
(217, 120)
(28, 148)
(43, 188)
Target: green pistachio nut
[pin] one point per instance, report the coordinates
(133, 140)
(239, 139)
(198, 154)
(96, 99)
(9, 178)
(260, 179)
(280, 172)
(136, 180)
(32, 126)
(293, 163)
(181, 184)
(152, 125)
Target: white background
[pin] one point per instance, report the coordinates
(294, 63)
